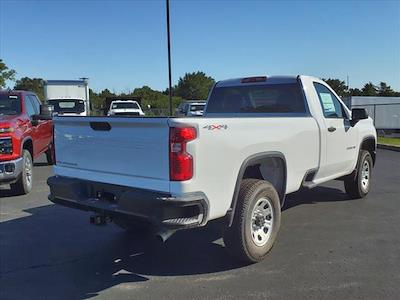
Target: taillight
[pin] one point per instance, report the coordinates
(180, 162)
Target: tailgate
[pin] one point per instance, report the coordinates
(124, 151)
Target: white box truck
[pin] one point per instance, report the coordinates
(69, 97)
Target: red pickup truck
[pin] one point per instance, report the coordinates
(26, 131)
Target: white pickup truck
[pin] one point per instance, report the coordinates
(125, 108)
(260, 139)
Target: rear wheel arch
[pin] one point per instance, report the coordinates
(269, 166)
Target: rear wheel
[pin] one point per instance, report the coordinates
(358, 186)
(256, 222)
(24, 184)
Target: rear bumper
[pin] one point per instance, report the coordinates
(159, 209)
(10, 170)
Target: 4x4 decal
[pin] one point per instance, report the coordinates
(215, 127)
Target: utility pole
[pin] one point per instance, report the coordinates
(169, 60)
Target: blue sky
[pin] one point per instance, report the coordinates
(121, 45)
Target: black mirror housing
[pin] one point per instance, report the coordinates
(358, 114)
(46, 111)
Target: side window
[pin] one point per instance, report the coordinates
(330, 104)
(36, 103)
(30, 109)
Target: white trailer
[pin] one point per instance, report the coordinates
(69, 97)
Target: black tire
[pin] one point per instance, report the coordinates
(50, 155)
(238, 238)
(355, 185)
(24, 184)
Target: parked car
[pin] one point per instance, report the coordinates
(68, 97)
(191, 109)
(26, 131)
(125, 108)
(260, 139)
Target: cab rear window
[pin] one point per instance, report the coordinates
(268, 98)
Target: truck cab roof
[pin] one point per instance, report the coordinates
(260, 80)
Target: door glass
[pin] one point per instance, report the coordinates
(330, 104)
(35, 103)
(30, 110)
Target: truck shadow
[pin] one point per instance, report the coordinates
(316, 195)
(53, 249)
(53, 252)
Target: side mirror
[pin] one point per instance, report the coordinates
(358, 114)
(46, 111)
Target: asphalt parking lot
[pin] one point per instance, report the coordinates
(329, 247)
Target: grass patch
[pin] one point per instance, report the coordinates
(389, 141)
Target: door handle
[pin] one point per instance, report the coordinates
(331, 129)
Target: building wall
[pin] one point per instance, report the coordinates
(384, 110)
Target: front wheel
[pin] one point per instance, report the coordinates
(24, 184)
(256, 222)
(359, 185)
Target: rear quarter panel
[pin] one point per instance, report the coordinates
(219, 153)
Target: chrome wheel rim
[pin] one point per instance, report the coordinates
(28, 171)
(262, 220)
(365, 175)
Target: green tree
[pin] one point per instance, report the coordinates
(96, 101)
(386, 91)
(155, 99)
(355, 92)
(369, 89)
(106, 93)
(339, 86)
(35, 85)
(5, 74)
(194, 86)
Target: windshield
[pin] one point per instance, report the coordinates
(68, 105)
(268, 98)
(125, 105)
(196, 107)
(10, 104)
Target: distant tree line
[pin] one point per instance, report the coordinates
(192, 86)
(369, 89)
